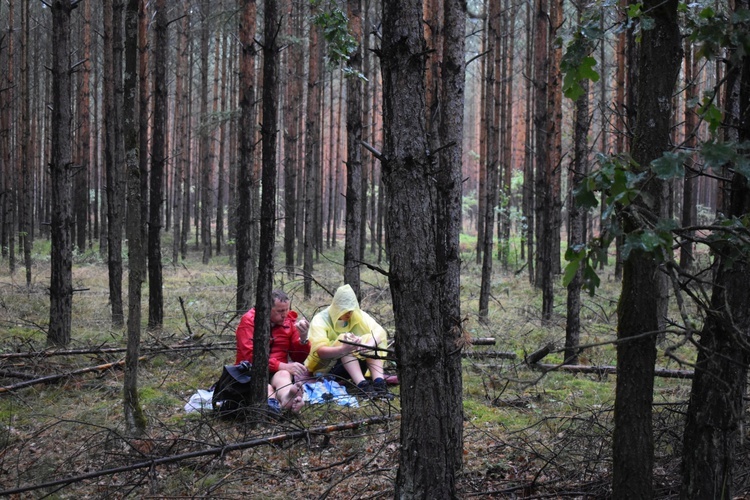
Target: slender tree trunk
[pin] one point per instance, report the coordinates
(554, 135)
(220, 176)
(80, 177)
(449, 217)
(144, 124)
(10, 190)
(232, 157)
(262, 334)
(542, 193)
(576, 217)
(337, 180)
(292, 134)
(158, 161)
(507, 142)
(135, 420)
(61, 163)
(245, 260)
(714, 428)
(638, 309)
(528, 162)
(113, 70)
(354, 177)
(484, 116)
(205, 138)
(688, 192)
(187, 162)
(493, 107)
(312, 131)
(181, 125)
(26, 237)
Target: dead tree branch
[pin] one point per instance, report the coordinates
(218, 451)
(116, 350)
(53, 378)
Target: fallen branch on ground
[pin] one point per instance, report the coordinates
(601, 370)
(53, 378)
(483, 341)
(489, 354)
(115, 350)
(538, 355)
(218, 451)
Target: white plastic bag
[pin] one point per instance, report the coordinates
(200, 401)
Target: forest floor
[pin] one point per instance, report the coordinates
(528, 432)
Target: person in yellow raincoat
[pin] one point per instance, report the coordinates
(344, 320)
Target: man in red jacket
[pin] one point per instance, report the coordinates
(288, 350)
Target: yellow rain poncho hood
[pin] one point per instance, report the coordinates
(344, 301)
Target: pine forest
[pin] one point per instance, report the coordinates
(543, 205)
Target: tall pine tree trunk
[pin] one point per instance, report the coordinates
(492, 113)
(714, 428)
(269, 127)
(135, 420)
(293, 103)
(158, 161)
(25, 200)
(312, 156)
(576, 217)
(181, 125)
(61, 163)
(246, 271)
(638, 308)
(354, 194)
(113, 71)
(206, 200)
(423, 272)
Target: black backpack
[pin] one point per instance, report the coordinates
(232, 391)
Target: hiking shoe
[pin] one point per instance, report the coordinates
(380, 389)
(364, 389)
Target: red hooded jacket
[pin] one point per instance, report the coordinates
(285, 344)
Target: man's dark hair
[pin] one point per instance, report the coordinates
(278, 296)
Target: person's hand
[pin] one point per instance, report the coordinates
(303, 327)
(350, 337)
(294, 368)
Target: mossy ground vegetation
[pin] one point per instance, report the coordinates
(529, 433)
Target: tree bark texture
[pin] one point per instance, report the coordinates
(246, 271)
(80, 181)
(312, 154)
(180, 160)
(292, 133)
(425, 351)
(61, 279)
(10, 188)
(206, 133)
(576, 215)
(269, 132)
(492, 120)
(135, 420)
(158, 162)
(449, 217)
(354, 194)
(26, 201)
(541, 144)
(714, 427)
(113, 71)
(638, 308)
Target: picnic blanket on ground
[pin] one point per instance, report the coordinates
(324, 390)
(320, 391)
